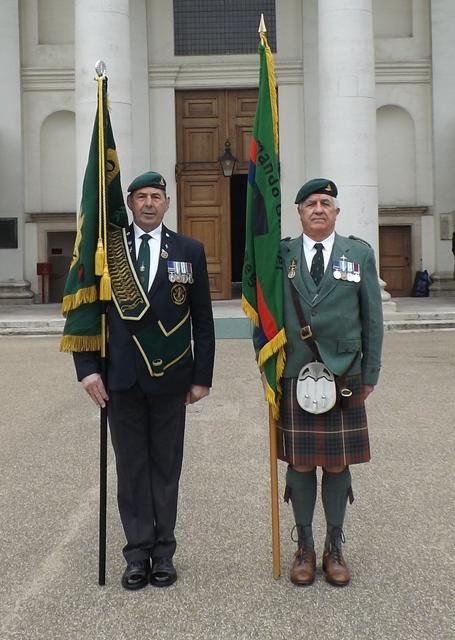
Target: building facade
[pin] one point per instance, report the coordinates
(366, 90)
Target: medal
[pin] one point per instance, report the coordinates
(345, 270)
(184, 273)
(336, 270)
(171, 270)
(356, 272)
(181, 272)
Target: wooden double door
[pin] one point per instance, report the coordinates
(211, 207)
(395, 259)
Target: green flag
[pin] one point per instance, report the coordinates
(262, 285)
(102, 203)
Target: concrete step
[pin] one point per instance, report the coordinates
(412, 314)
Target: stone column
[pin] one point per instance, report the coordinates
(443, 73)
(347, 115)
(102, 32)
(13, 288)
(311, 89)
(347, 108)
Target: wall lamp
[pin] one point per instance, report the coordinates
(226, 162)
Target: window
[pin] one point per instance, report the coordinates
(8, 233)
(220, 27)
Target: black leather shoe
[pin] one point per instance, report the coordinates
(163, 572)
(136, 574)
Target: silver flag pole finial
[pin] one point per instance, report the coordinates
(100, 68)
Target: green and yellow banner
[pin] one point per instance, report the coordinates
(88, 280)
(262, 285)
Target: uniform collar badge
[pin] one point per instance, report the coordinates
(292, 268)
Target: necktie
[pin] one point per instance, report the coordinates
(143, 261)
(317, 265)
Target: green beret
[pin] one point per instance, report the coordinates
(148, 179)
(317, 185)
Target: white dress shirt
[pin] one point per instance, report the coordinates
(309, 250)
(154, 246)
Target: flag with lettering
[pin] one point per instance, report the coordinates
(262, 279)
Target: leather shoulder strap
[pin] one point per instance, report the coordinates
(305, 330)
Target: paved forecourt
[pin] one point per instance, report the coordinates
(399, 531)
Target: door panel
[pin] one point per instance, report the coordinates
(204, 120)
(201, 104)
(200, 144)
(241, 111)
(395, 259)
(205, 199)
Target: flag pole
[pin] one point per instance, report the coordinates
(276, 555)
(88, 287)
(103, 461)
(100, 69)
(262, 281)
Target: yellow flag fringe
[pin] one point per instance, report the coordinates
(74, 300)
(80, 343)
(269, 349)
(275, 400)
(249, 311)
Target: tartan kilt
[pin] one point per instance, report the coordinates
(332, 439)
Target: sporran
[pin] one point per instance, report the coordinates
(316, 388)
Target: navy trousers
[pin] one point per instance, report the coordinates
(147, 433)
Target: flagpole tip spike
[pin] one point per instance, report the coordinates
(100, 68)
(262, 28)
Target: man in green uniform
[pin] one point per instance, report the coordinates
(333, 314)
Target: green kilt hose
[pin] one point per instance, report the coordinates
(336, 438)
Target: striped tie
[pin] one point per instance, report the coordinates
(317, 265)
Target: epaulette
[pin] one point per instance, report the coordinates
(360, 240)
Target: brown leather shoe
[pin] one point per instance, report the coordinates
(335, 568)
(303, 570)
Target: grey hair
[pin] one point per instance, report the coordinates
(335, 202)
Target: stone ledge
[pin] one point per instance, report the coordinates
(15, 292)
(442, 285)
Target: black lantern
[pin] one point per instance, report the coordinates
(227, 160)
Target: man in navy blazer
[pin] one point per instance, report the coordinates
(160, 358)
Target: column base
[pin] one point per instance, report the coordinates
(387, 303)
(443, 285)
(15, 292)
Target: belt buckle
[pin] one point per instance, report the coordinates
(305, 332)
